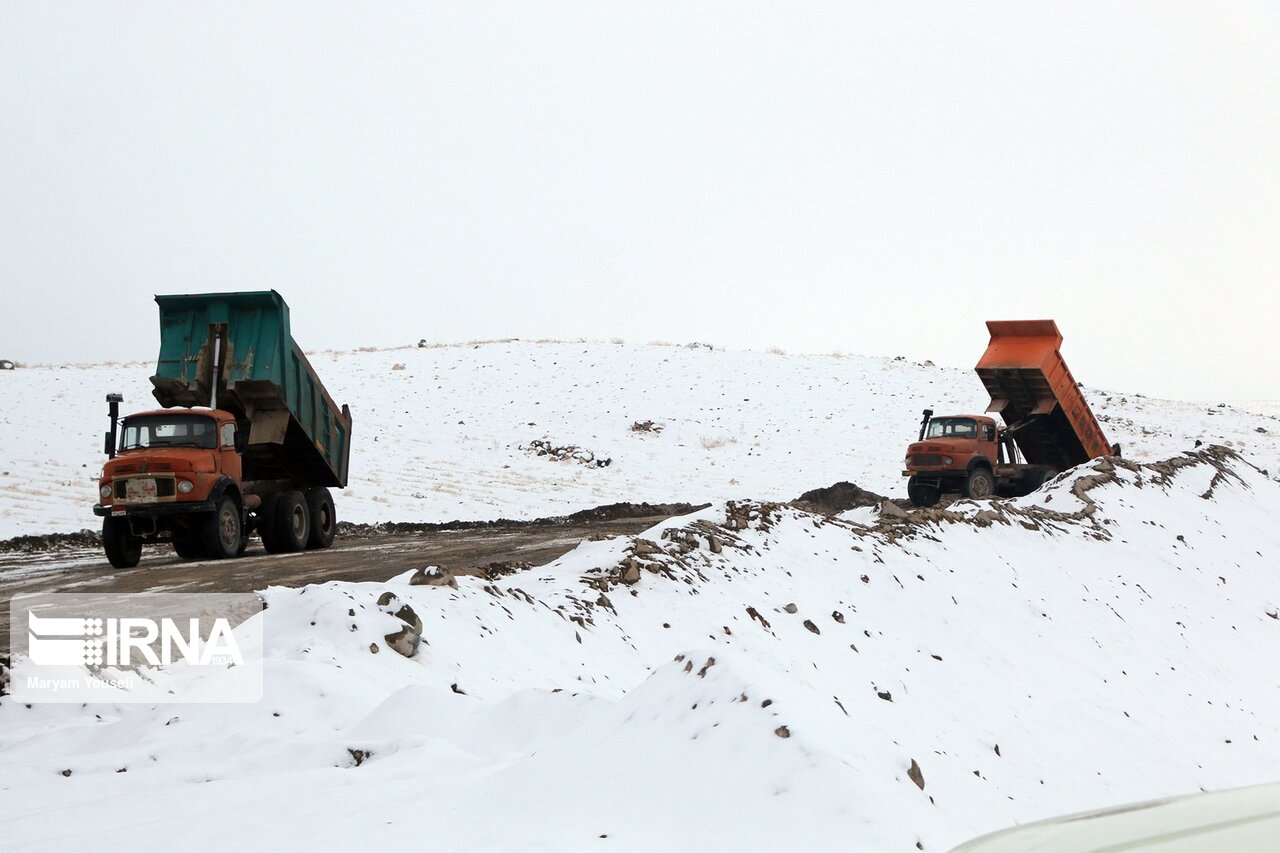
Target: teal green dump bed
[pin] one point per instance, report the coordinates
(296, 431)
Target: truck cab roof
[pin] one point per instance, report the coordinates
(982, 419)
(218, 414)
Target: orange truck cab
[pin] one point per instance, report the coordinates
(177, 472)
(954, 453)
(1047, 425)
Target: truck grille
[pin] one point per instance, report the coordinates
(165, 488)
(926, 460)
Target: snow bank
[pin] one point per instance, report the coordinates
(751, 676)
(451, 434)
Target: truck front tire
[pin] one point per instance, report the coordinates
(980, 484)
(123, 549)
(222, 531)
(323, 520)
(922, 495)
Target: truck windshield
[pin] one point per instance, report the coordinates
(169, 431)
(952, 428)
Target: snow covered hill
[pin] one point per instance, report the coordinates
(443, 433)
(750, 677)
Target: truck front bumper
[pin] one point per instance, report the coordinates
(174, 508)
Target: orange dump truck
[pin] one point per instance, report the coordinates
(1047, 425)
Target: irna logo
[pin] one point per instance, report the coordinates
(136, 647)
(95, 642)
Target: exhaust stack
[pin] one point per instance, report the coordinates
(924, 423)
(113, 410)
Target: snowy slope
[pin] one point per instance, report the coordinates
(748, 677)
(439, 432)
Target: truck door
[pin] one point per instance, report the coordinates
(228, 457)
(987, 442)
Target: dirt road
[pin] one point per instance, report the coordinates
(367, 557)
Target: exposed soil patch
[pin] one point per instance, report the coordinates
(837, 498)
(609, 512)
(50, 542)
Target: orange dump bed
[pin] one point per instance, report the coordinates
(1025, 375)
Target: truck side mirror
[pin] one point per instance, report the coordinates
(241, 441)
(108, 443)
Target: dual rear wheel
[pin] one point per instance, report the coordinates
(293, 521)
(287, 521)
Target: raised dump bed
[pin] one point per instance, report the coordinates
(295, 430)
(1034, 392)
(1048, 427)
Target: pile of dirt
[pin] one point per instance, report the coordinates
(51, 542)
(837, 498)
(614, 512)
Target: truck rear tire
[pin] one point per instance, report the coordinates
(922, 495)
(222, 530)
(324, 522)
(123, 549)
(980, 485)
(292, 522)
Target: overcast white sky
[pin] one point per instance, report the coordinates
(873, 178)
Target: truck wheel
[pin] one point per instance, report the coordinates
(922, 495)
(222, 530)
(323, 521)
(980, 485)
(1045, 476)
(123, 549)
(188, 546)
(292, 522)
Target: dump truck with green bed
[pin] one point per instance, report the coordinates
(248, 439)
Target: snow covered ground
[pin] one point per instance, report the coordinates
(441, 433)
(750, 677)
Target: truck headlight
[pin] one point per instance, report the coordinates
(946, 460)
(105, 491)
(185, 486)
